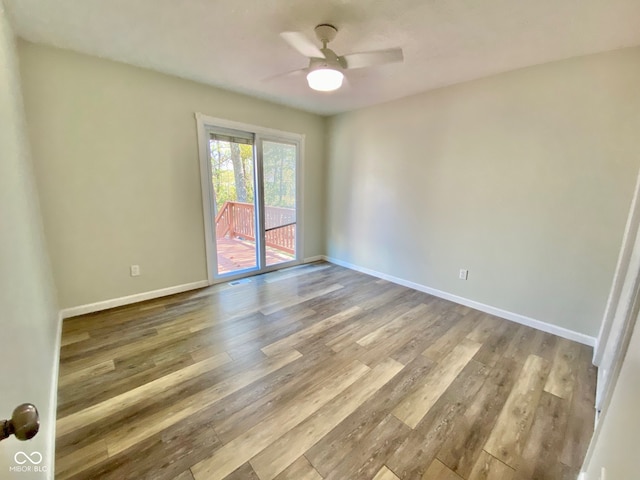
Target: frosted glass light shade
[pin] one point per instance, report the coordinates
(325, 79)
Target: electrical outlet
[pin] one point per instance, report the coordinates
(603, 474)
(464, 274)
(135, 270)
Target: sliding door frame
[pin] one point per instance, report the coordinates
(204, 123)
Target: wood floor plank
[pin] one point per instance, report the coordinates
(416, 452)
(561, 378)
(98, 342)
(147, 408)
(508, 438)
(74, 338)
(284, 451)
(488, 467)
(391, 328)
(540, 458)
(294, 272)
(439, 471)
(103, 355)
(370, 455)
(246, 446)
(392, 293)
(442, 316)
(86, 373)
(245, 472)
(493, 348)
(416, 405)
(485, 328)
(159, 457)
(519, 345)
(422, 339)
(292, 340)
(417, 322)
(383, 350)
(326, 454)
(280, 305)
(121, 439)
(124, 400)
(301, 469)
(126, 376)
(544, 345)
(262, 330)
(67, 467)
(463, 447)
(242, 411)
(352, 335)
(186, 475)
(451, 337)
(385, 474)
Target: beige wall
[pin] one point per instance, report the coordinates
(117, 168)
(524, 179)
(28, 310)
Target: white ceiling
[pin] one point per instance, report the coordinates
(234, 44)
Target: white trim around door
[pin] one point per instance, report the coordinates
(622, 307)
(205, 124)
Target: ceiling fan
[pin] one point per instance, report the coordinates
(325, 71)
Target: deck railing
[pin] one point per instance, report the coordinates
(237, 220)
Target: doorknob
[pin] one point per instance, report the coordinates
(24, 423)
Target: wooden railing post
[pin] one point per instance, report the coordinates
(232, 219)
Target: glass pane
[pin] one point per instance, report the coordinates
(235, 218)
(279, 167)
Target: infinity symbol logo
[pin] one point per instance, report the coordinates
(35, 458)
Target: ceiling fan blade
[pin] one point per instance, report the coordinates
(291, 73)
(301, 43)
(370, 59)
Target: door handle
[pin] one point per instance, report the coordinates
(24, 423)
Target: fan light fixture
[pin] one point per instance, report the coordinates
(325, 72)
(325, 79)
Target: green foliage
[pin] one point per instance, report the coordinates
(224, 176)
(279, 166)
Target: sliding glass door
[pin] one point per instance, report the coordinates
(252, 200)
(234, 200)
(279, 199)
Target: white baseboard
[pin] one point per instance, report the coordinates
(514, 317)
(141, 297)
(498, 312)
(138, 297)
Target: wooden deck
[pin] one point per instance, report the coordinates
(235, 254)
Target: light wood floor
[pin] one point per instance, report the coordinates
(318, 372)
